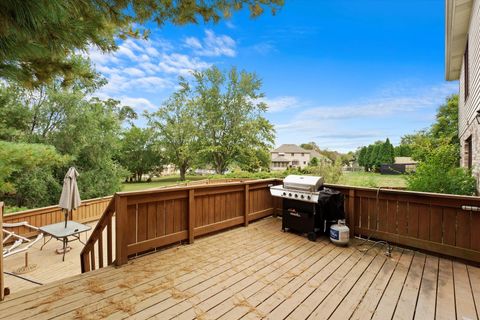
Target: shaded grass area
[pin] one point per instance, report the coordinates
(370, 179)
(158, 182)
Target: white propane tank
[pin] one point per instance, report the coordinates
(339, 233)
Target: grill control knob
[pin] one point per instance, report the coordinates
(284, 193)
(308, 197)
(296, 195)
(302, 196)
(289, 194)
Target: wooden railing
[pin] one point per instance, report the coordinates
(104, 225)
(439, 223)
(150, 219)
(2, 283)
(90, 210)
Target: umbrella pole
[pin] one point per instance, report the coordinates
(66, 218)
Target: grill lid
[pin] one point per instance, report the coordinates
(304, 183)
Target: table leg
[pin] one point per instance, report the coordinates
(44, 243)
(64, 248)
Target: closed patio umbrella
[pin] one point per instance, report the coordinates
(70, 198)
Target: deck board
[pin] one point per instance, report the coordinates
(260, 272)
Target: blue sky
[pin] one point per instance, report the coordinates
(342, 73)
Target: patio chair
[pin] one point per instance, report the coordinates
(21, 243)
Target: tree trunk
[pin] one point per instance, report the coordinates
(183, 170)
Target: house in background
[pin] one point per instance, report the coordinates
(400, 166)
(462, 62)
(293, 156)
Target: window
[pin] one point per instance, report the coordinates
(304, 162)
(303, 154)
(466, 74)
(292, 154)
(468, 153)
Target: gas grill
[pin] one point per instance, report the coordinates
(308, 207)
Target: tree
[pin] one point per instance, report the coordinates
(176, 130)
(443, 131)
(403, 150)
(137, 152)
(386, 153)
(439, 172)
(446, 124)
(229, 115)
(314, 162)
(27, 173)
(38, 38)
(85, 129)
(362, 157)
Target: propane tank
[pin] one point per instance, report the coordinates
(339, 233)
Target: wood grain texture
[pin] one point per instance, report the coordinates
(259, 272)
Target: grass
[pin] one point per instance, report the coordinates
(370, 179)
(157, 182)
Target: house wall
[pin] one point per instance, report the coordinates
(302, 160)
(468, 125)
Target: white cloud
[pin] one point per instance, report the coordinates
(347, 126)
(193, 42)
(138, 104)
(212, 45)
(230, 24)
(281, 103)
(264, 48)
(134, 72)
(181, 64)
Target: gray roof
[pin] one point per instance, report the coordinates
(290, 148)
(404, 160)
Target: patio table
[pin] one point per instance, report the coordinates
(62, 233)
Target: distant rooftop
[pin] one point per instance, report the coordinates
(404, 160)
(291, 148)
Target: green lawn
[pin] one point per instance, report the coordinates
(157, 182)
(369, 179)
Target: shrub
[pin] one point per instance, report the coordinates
(330, 173)
(439, 173)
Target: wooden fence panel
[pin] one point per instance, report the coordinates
(90, 210)
(426, 221)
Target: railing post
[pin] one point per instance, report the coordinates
(351, 212)
(247, 202)
(121, 229)
(191, 215)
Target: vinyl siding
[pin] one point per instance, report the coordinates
(467, 109)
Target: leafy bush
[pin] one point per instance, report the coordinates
(330, 173)
(439, 173)
(37, 188)
(104, 180)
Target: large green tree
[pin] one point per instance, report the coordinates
(176, 130)
(66, 118)
(39, 37)
(27, 173)
(138, 153)
(230, 116)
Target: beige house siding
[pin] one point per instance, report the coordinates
(468, 126)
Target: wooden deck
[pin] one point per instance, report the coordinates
(260, 272)
(46, 261)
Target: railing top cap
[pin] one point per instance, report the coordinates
(201, 186)
(404, 192)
